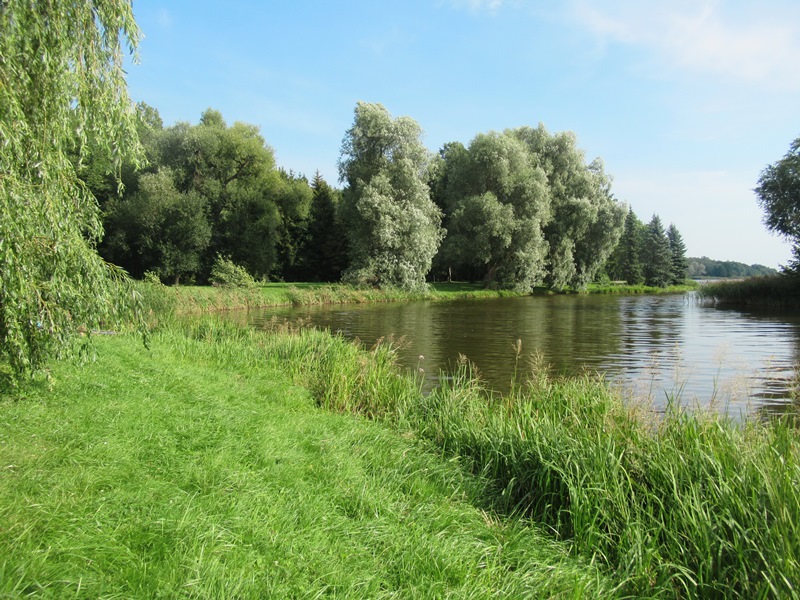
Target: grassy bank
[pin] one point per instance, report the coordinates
(632, 290)
(778, 291)
(205, 467)
(200, 469)
(197, 299)
(200, 299)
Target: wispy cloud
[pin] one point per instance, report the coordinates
(479, 5)
(758, 44)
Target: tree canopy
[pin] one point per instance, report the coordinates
(63, 98)
(778, 194)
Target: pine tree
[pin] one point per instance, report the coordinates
(629, 266)
(656, 255)
(677, 249)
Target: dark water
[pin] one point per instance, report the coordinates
(651, 346)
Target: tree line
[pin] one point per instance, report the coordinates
(514, 209)
(707, 267)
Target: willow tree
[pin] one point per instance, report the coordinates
(497, 202)
(62, 94)
(394, 228)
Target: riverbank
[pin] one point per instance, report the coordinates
(205, 468)
(208, 467)
(198, 299)
(191, 300)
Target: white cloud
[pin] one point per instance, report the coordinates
(758, 44)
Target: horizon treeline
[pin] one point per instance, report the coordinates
(514, 209)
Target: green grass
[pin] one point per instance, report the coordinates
(227, 462)
(197, 299)
(199, 469)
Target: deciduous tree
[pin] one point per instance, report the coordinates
(62, 88)
(497, 202)
(778, 193)
(394, 228)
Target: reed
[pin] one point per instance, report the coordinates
(775, 291)
(683, 505)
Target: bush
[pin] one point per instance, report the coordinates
(226, 273)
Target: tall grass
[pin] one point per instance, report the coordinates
(687, 505)
(774, 291)
(638, 289)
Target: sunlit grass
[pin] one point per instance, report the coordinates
(199, 469)
(205, 467)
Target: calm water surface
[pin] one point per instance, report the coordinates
(651, 346)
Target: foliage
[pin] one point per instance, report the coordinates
(522, 207)
(778, 194)
(226, 273)
(625, 263)
(496, 201)
(225, 195)
(61, 76)
(656, 255)
(324, 251)
(393, 226)
(707, 267)
(586, 221)
(677, 250)
(158, 229)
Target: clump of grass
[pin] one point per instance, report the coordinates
(637, 289)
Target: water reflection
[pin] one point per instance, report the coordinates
(653, 347)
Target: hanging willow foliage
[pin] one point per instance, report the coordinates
(62, 95)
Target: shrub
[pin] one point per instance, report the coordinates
(225, 272)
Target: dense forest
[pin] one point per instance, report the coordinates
(514, 209)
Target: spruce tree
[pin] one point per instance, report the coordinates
(629, 266)
(656, 255)
(325, 252)
(677, 249)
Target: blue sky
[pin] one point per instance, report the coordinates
(685, 101)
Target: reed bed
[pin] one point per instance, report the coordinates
(685, 504)
(775, 291)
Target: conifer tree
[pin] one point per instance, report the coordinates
(656, 255)
(325, 252)
(628, 264)
(677, 249)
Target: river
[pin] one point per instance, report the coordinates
(651, 347)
